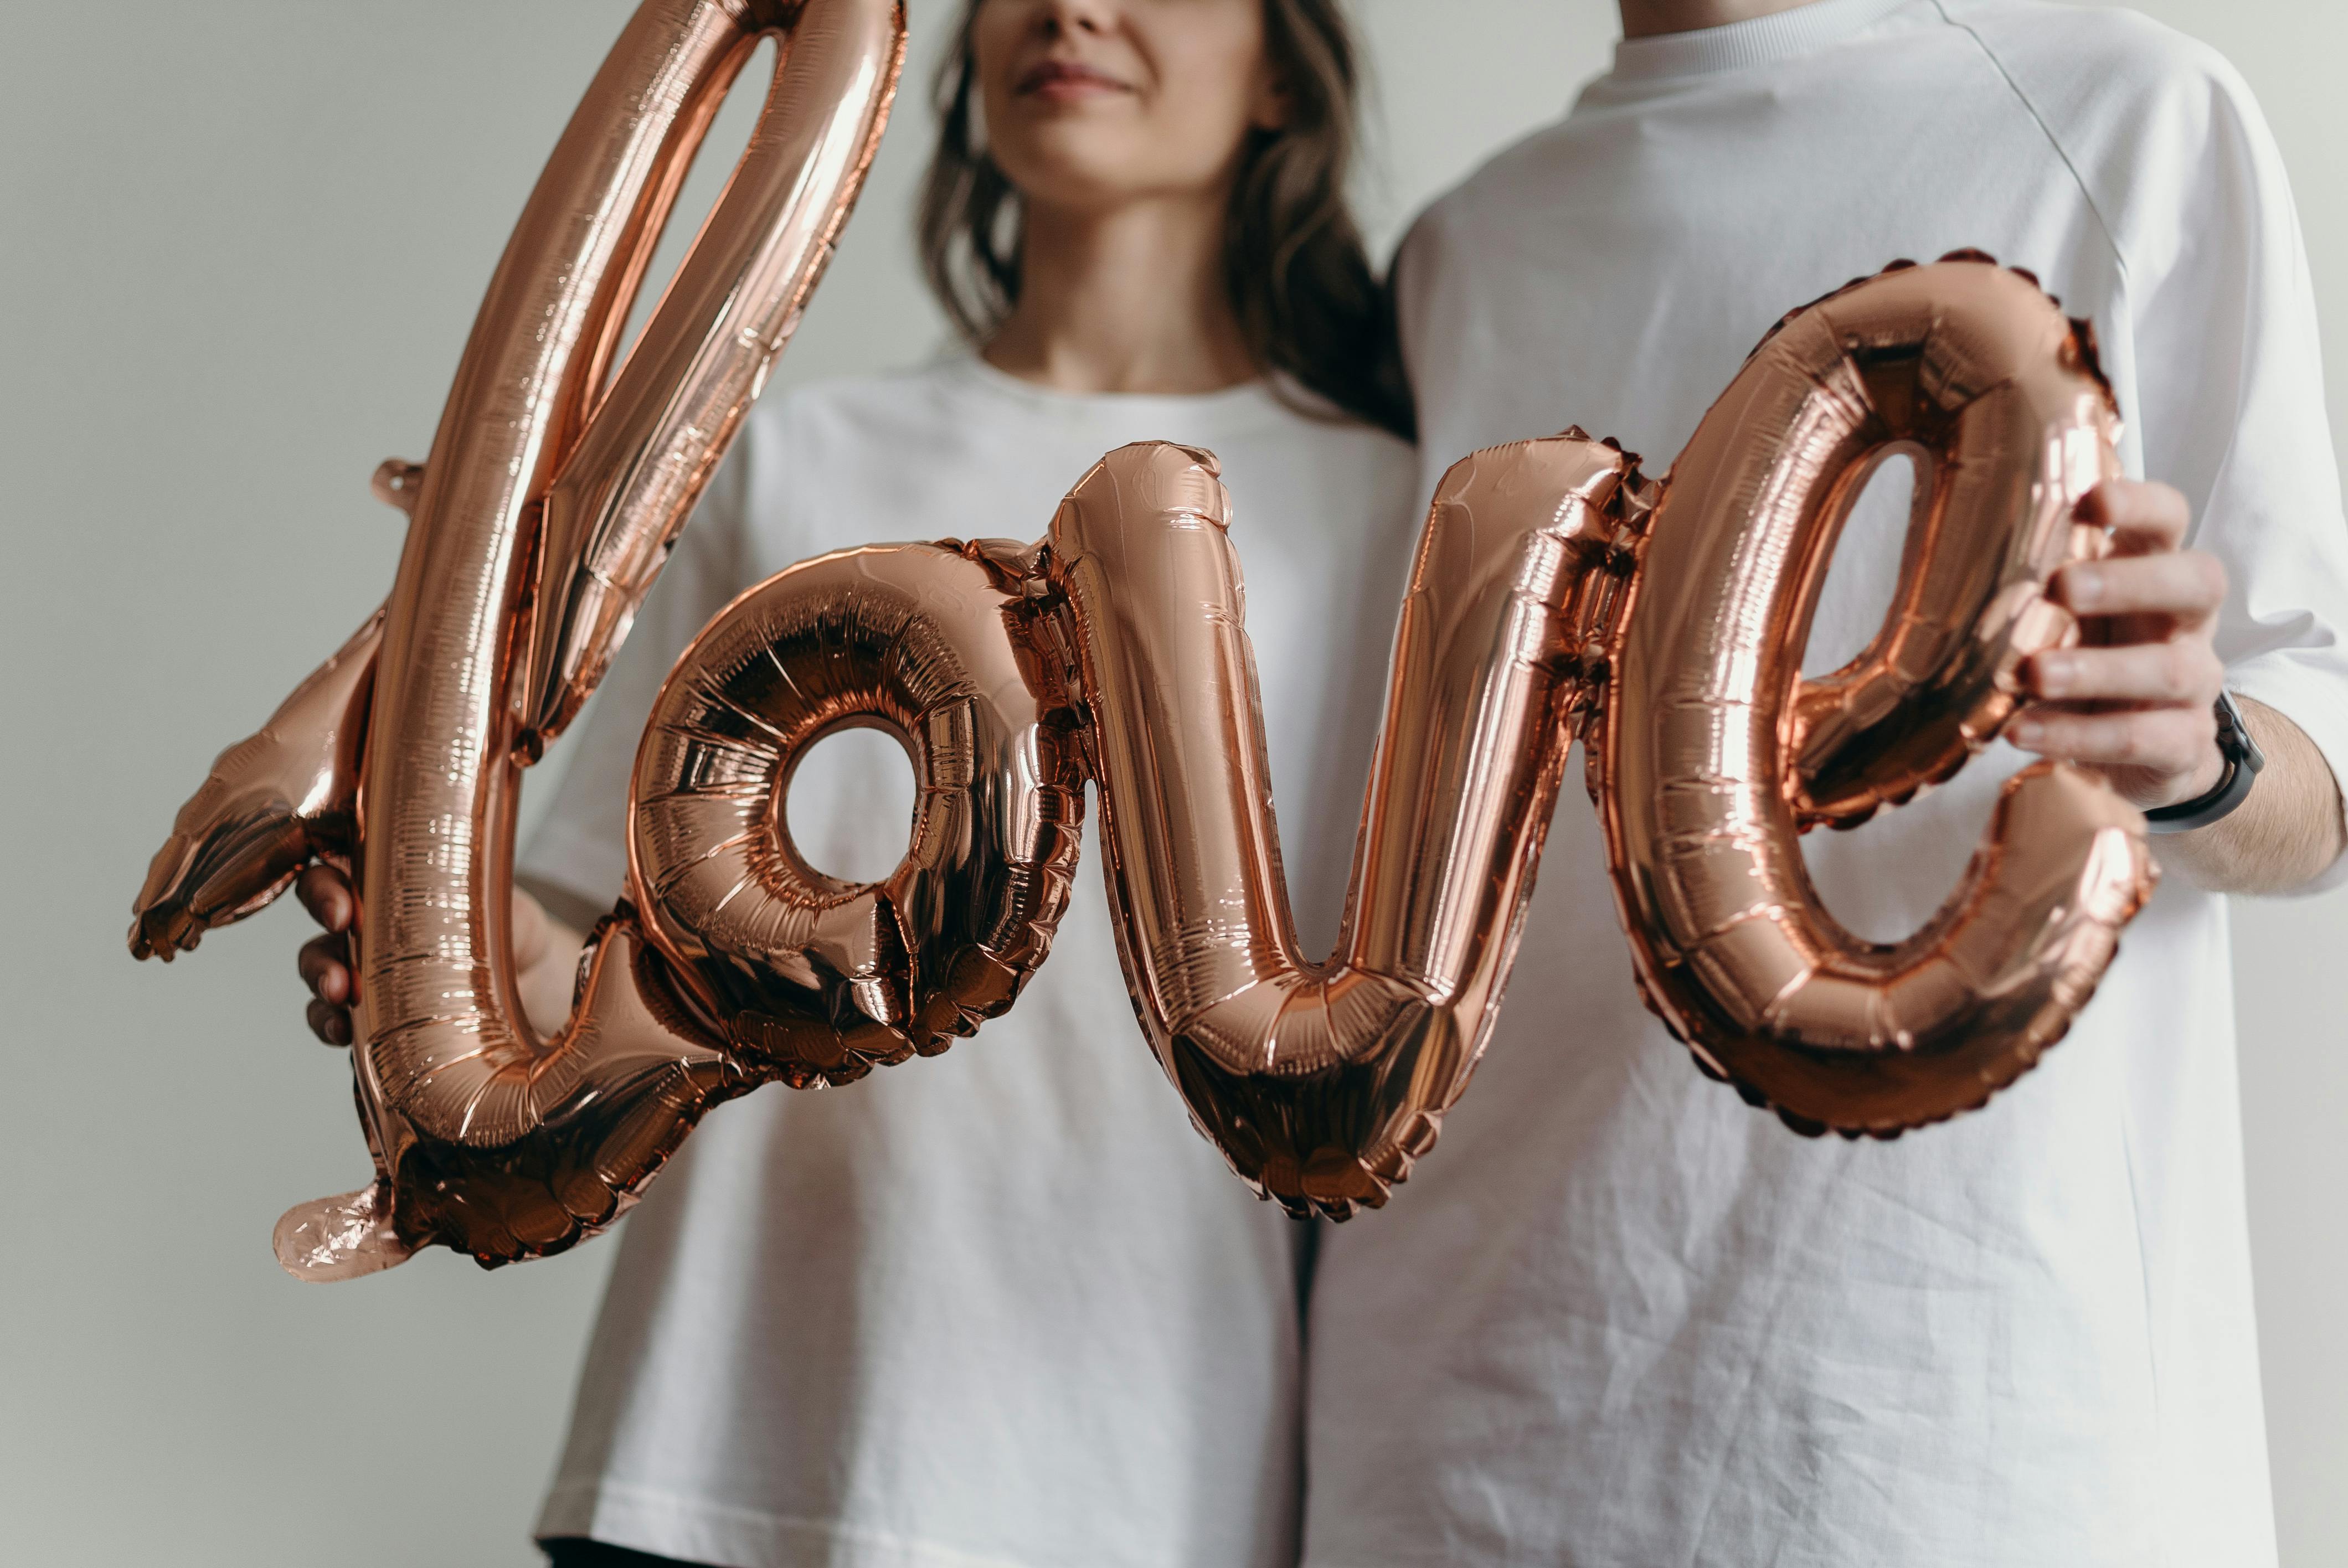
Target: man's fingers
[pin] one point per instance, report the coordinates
(2184, 671)
(331, 1024)
(2141, 516)
(326, 894)
(2168, 741)
(2184, 585)
(326, 969)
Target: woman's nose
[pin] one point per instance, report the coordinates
(1067, 16)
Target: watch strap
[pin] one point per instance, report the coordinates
(2243, 761)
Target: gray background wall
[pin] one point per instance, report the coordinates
(240, 242)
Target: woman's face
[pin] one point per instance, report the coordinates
(1092, 103)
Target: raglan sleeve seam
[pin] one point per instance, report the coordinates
(2046, 128)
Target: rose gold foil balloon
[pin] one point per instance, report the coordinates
(1322, 1082)
(275, 801)
(734, 964)
(544, 511)
(1557, 596)
(816, 981)
(1714, 752)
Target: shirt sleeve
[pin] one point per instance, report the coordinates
(2229, 384)
(581, 847)
(1429, 309)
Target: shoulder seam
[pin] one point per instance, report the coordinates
(2119, 256)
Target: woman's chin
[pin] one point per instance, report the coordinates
(1078, 173)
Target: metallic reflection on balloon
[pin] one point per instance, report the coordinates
(555, 487)
(1557, 595)
(1715, 752)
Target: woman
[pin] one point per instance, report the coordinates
(1004, 1306)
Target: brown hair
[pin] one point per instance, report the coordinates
(1308, 303)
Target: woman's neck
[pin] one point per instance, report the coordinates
(1128, 300)
(1650, 18)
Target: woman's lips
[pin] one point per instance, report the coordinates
(1065, 81)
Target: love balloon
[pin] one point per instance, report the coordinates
(1557, 596)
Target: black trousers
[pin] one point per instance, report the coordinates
(595, 1555)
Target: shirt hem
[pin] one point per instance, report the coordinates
(722, 1536)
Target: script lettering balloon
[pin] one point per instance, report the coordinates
(1714, 752)
(1558, 595)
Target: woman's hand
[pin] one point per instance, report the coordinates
(325, 962)
(544, 950)
(2133, 700)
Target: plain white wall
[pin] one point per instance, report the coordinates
(242, 245)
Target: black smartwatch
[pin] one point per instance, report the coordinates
(2243, 761)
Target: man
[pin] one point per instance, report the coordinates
(1617, 1317)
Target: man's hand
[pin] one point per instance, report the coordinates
(545, 950)
(2134, 701)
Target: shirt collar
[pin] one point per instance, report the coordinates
(1739, 45)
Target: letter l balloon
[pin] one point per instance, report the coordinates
(483, 1135)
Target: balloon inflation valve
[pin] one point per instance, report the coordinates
(342, 1237)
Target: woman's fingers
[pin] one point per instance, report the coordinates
(2186, 585)
(2184, 671)
(331, 1024)
(326, 969)
(325, 892)
(325, 963)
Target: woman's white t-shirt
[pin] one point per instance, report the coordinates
(1617, 1319)
(1001, 1306)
